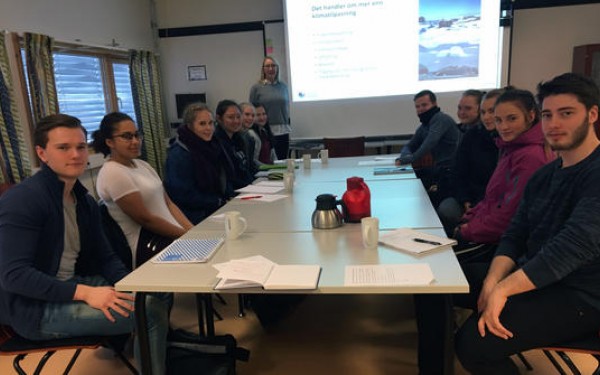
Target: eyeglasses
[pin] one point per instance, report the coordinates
(270, 66)
(128, 136)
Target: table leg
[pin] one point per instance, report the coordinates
(204, 309)
(141, 322)
(208, 313)
(449, 335)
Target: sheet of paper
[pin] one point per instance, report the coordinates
(270, 183)
(392, 158)
(388, 275)
(253, 271)
(414, 241)
(260, 198)
(376, 162)
(293, 277)
(260, 189)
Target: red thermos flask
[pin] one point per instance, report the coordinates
(357, 199)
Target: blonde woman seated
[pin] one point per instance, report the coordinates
(195, 176)
(133, 191)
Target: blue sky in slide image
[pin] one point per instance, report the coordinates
(444, 9)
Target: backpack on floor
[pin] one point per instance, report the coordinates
(188, 353)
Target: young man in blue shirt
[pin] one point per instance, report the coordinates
(57, 269)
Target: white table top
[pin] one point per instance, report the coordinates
(339, 169)
(282, 232)
(397, 203)
(333, 250)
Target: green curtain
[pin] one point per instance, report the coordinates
(40, 73)
(145, 87)
(16, 164)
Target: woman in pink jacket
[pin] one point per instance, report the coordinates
(522, 152)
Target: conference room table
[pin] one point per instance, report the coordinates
(338, 169)
(282, 232)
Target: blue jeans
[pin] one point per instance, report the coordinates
(76, 318)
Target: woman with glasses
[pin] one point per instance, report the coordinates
(195, 174)
(275, 97)
(133, 191)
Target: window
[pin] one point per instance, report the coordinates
(89, 85)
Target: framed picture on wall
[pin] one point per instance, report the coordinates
(197, 73)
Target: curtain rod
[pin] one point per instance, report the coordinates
(79, 43)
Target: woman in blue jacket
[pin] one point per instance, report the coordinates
(195, 176)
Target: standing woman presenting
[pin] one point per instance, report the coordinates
(275, 97)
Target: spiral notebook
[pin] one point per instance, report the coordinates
(189, 251)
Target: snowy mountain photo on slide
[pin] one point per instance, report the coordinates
(449, 39)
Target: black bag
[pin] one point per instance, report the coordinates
(188, 353)
(149, 244)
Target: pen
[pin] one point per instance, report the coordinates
(420, 240)
(251, 197)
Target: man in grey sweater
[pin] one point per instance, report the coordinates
(438, 135)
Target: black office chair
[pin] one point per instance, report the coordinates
(11, 344)
(342, 147)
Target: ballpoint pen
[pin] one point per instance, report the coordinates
(421, 240)
(251, 197)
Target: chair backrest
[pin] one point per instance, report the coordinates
(116, 237)
(341, 147)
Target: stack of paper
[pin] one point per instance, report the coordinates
(388, 275)
(258, 271)
(414, 241)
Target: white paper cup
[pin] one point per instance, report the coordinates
(324, 156)
(306, 161)
(370, 231)
(288, 181)
(235, 225)
(291, 165)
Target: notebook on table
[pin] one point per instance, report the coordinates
(189, 250)
(392, 170)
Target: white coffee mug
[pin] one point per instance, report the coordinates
(324, 156)
(370, 231)
(288, 181)
(291, 165)
(235, 225)
(306, 161)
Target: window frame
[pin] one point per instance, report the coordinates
(107, 57)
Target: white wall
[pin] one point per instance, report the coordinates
(542, 47)
(232, 60)
(544, 40)
(543, 43)
(95, 22)
(182, 13)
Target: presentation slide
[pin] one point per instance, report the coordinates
(340, 49)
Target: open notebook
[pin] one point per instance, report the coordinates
(189, 250)
(258, 271)
(414, 241)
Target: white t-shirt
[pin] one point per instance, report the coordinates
(116, 181)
